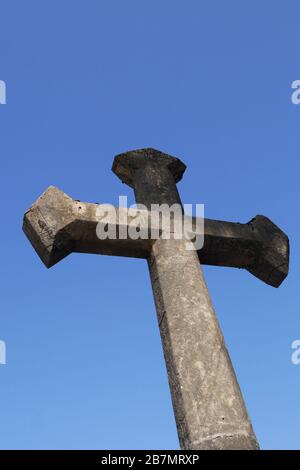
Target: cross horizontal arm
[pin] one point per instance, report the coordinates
(58, 225)
(258, 246)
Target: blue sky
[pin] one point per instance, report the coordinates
(208, 81)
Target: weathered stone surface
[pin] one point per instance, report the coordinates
(57, 225)
(209, 408)
(127, 164)
(272, 261)
(208, 405)
(47, 226)
(258, 246)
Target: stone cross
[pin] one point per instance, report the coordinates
(209, 409)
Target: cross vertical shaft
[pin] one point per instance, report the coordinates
(209, 409)
(208, 405)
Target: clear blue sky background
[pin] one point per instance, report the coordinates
(208, 81)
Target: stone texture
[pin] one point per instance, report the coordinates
(209, 408)
(47, 225)
(258, 246)
(208, 405)
(58, 225)
(126, 164)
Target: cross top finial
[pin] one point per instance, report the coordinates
(126, 164)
